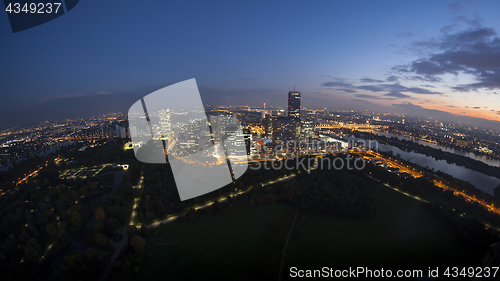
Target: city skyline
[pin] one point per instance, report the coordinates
(341, 55)
(59, 178)
(255, 140)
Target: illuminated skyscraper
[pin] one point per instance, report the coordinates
(121, 132)
(284, 129)
(294, 111)
(164, 124)
(267, 123)
(307, 128)
(294, 105)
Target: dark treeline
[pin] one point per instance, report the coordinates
(65, 229)
(334, 192)
(160, 197)
(342, 193)
(345, 193)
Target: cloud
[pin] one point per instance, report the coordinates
(407, 105)
(475, 51)
(397, 95)
(476, 107)
(372, 88)
(392, 91)
(338, 82)
(425, 78)
(422, 91)
(392, 78)
(467, 38)
(396, 87)
(347, 90)
(365, 96)
(429, 68)
(472, 22)
(369, 80)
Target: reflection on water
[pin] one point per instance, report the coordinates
(483, 182)
(482, 158)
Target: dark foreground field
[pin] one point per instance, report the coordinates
(247, 243)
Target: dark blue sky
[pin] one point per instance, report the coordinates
(103, 55)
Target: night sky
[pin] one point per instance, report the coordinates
(379, 55)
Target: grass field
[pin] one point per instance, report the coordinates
(240, 241)
(247, 243)
(403, 234)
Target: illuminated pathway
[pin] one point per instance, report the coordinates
(439, 183)
(392, 163)
(209, 203)
(134, 212)
(122, 244)
(29, 175)
(468, 198)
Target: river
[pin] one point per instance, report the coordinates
(482, 158)
(481, 181)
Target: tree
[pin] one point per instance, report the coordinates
(191, 214)
(138, 243)
(75, 218)
(51, 228)
(496, 194)
(101, 240)
(100, 215)
(31, 252)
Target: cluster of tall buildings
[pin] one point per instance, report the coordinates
(289, 127)
(121, 132)
(193, 134)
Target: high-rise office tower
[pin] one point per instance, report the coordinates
(267, 123)
(294, 111)
(294, 105)
(307, 128)
(284, 129)
(165, 124)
